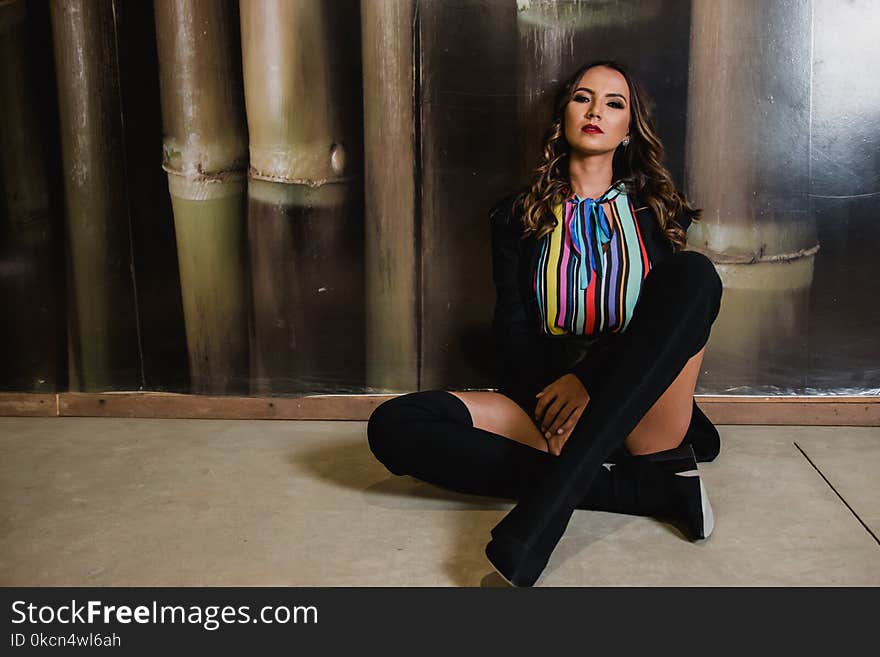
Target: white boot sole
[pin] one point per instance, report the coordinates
(708, 524)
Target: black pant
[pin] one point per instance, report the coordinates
(430, 434)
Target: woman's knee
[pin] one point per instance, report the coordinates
(701, 272)
(691, 276)
(384, 431)
(394, 424)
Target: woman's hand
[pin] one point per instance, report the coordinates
(559, 408)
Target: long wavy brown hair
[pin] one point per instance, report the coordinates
(639, 165)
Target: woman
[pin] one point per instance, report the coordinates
(601, 321)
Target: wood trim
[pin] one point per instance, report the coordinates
(28, 404)
(792, 411)
(775, 410)
(174, 405)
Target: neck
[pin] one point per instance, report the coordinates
(590, 175)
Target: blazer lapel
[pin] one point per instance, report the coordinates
(530, 264)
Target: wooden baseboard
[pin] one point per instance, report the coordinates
(174, 405)
(791, 410)
(29, 404)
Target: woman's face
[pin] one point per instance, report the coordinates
(598, 114)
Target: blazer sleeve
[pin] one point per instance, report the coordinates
(586, 370)
(515, 336)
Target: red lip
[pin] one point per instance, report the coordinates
(591, 128)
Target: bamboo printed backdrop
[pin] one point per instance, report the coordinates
(283, 198)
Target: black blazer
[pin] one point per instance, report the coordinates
(529, 360)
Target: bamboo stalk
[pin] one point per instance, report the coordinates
(25, 187)
(390, 195)
(205, 156)
(749, 171)
(103, 341)
(31, 351)
(202, 104)
(302, 93)
(210, 231)
(468, 150)
(301, 77)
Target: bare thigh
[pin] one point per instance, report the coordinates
(667, 421)
(499, 414)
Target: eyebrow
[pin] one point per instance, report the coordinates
(592, 92)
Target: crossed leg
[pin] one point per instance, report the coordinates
(662, 427)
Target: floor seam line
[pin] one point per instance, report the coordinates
(831, 486)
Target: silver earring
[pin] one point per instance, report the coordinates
(625, 142)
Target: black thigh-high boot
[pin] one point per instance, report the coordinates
(679, 301)
(430, 435)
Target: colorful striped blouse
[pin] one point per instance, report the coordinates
(591, 267)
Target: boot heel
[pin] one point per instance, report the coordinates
(516, 564)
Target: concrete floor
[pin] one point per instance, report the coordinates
(130, 502)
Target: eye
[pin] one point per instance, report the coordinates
(616, 104)
(580, 98)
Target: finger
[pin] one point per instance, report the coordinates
(552, 413)
(548, 415)
(552, 418)
(541, 405)
(538, 405)
(559, 439)
(559, 442)
(550, 406)
(556, 427)
(572, 420)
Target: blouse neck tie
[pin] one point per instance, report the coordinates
(589, 225)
